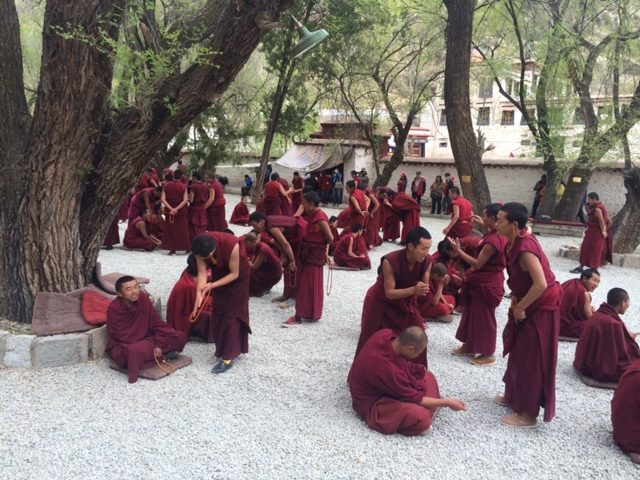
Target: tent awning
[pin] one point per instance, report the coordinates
(311, 158)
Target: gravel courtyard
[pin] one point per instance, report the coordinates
(284, 410)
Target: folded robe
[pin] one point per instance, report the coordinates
(625, 410)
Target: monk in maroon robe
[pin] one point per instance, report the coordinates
(137, 237)
(357, 211)
(389, 390)
(625, 412)
(391, 302)
(460, 225)
(531, 335)
(216, 221)
(181, 301)
(273, 195)
(113, 235)
(435, 305)
(240, 214)
(266, 267)
(283, 233)
(606, 347)
(351, 250)
(137, 334)
(145, 198)
(408, 212)
(123, 211)
(175, 199)
(576, 307)
(482, 291)
(372, 230)
(314, 247)
(285, 202)
(391, 221)
(333, 226)
(199, 196)
(597, 246)
(221, 253)
(297, 184)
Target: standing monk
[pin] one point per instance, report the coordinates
(285, 202)
(482, 291)
(137, 334)
(391, 302)
(198, 199)
(391, 220)
(408, 211)
(274, 192)
(576, 307)
(597, 245)
(625, 412)
(297, 184)
(176, 230)
(531, 334)
(372, 230)
(216, 221)
(266, 267)
(357, 210)
(314, 246)
(462, 211)
(230, 290)
(145, 198)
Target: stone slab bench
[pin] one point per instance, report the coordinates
(558, 227)
(626, 260)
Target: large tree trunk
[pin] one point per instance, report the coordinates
(396, 159)
(456, 99)
(80, 157)
(627, 236)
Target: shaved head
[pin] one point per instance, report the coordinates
(413, 337)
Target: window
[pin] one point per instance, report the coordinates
(507, 117)
(443, 118)
(532, 114)
(415, 122)
(484, 116)
(513, 87)
(486, 88)
(443, 144)
(578, 117)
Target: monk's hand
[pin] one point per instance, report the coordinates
(604, 233)
(292, 267)
(157, 352)
(455, 243)
(519, 314)
(420, 288)
(445, 232)
(207, 288)
(456, 405)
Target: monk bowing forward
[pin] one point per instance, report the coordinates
(391, 392)
(230, 289)
(625, 412)
(531, 334)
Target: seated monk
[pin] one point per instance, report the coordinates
(576, 308)
(137, 237)
(240, 214)
(333, 226)
(351, 250)
(606, 347)
(625, 412)
(266, 267)
(389, 391)
(435, 305)
(180, 305)
(137, 334)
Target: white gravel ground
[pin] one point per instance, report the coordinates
(284, 411)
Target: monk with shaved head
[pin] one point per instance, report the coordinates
(392, 393)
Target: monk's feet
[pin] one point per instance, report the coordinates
(635, 457)
(519, 420)
(172, 252)
(500, 400)
(280, 299)
(292, 322)
(109, 247)
(461, 351)
(286, 304)
(172, 355)
(484, 360)
(222, 366)
(577, 269)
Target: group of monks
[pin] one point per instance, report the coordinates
(392, 388)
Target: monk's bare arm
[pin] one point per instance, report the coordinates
(390, 290)
(454, 218)
(354, 202)
(530, 263)
(234, 269)
(452, 403)
(326, 231)
(284, 245)
(350, 250)
(212, 197)
(484, 256)
(185, 201)
(143, 231)
(258, 262)
(376, 204)
(587, 310)
(201, 282)
(163, 199)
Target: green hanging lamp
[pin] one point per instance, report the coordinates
(308, 39)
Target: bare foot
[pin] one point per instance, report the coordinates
(280, 299)
(500, 400)
(461, 351)
(519, 420)
(483, 360)
(284, 304)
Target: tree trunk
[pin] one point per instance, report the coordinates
(456, 99)
(627, 236)
(80, 157)
(396, 159)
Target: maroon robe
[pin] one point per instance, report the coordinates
(350, 216)
(135, 331)
(341, 253)
(296, 197)
(216, 221)
(231, 311)
(440, 309)
(408, 212)
(113, 234)
(176, 230)
(572, 319)
(482, 292)
(269, 273)
(596, 250)
(123, 211)
(292, 231)
(197, 212)
(180, 306)
(402, 184)
(606, 348)
(372, 230)
(387, 389)
(133, 236)
(391, 223)
(240, 214)
(625, 410)
(379, 312)
(463, 227)
(336, 238)
(285, 204)
(532, 344)
(137, 202)
(310, 279)
(272, 198)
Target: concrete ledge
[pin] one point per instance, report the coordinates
(59, 350)
(18, 351)
(627, 260)
(564, 230)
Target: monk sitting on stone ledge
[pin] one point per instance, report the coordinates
(137, 334)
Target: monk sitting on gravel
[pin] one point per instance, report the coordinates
(606, 348)
(389, 391)
(576, 307)
(435, 306)
(625, 412)
(137, 334)
(351, 250)
(266, 267)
